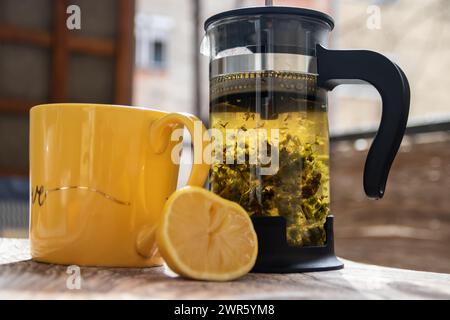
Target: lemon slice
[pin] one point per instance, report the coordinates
(205, 237)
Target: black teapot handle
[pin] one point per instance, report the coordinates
(337, 67)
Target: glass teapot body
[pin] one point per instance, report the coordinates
(268, 115)
(295, 182)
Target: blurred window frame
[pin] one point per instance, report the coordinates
(152, 34)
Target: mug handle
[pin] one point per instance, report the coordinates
(160, 131)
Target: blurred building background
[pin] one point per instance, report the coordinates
(41, 61)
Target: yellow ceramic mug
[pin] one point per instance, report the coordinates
(100, 175)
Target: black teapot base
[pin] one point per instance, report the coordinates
(275, 255)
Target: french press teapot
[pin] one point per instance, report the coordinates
(269, 77)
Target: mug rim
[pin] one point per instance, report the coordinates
(46, 106)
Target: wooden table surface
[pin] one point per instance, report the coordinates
(21, 278)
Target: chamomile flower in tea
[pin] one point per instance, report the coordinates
(299, 189)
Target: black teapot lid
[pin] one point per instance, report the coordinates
(277, 10)
(278, 29)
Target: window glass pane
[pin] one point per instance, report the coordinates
(158, 53)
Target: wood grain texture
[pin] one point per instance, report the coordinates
(124, 51)
(91, 45)
(21, 278)
(17, 106)
(23, 35)
(82, 44)
(60, 61)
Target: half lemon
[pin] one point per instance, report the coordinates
(205, 237)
